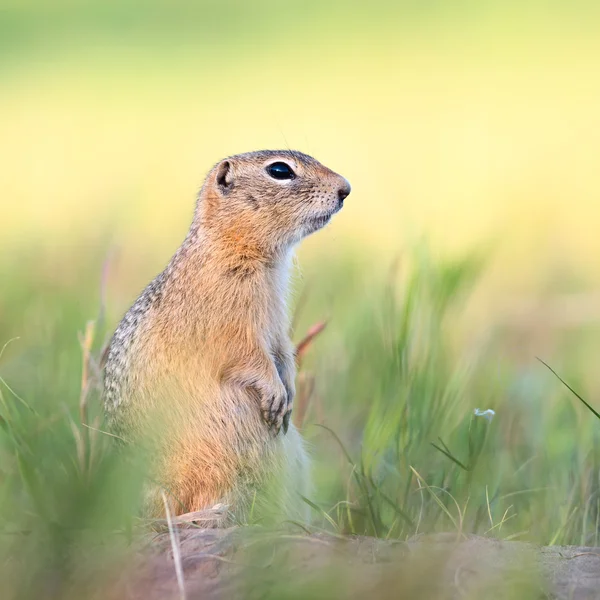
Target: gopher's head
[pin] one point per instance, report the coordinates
(269, 199)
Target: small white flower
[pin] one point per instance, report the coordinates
(488, 414)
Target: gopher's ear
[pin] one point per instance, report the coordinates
(224, 177)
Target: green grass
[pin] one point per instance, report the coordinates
(401, 415)
(396, 446)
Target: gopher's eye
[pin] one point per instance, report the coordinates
(280, 170)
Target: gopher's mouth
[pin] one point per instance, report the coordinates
(320, 221)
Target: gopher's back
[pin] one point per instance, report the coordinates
(124, 352)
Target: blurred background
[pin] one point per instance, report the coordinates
(467, 120)
(470, 132)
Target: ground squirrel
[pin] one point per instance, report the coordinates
(206, 349)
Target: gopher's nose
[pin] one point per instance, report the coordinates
(343, 191)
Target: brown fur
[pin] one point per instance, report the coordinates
(205, 351)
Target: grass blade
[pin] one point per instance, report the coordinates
(570, 388)
(452, 458)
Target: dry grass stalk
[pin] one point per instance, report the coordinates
(306, 382)
(86, 340)
(306, 342)
(175, 547)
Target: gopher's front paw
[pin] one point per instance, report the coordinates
(276, 406)
(286, 370)
(291, 392)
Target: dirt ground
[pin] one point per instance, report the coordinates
(245, 563)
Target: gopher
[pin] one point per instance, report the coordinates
(202, 367)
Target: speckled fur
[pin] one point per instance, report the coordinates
(205, 353)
